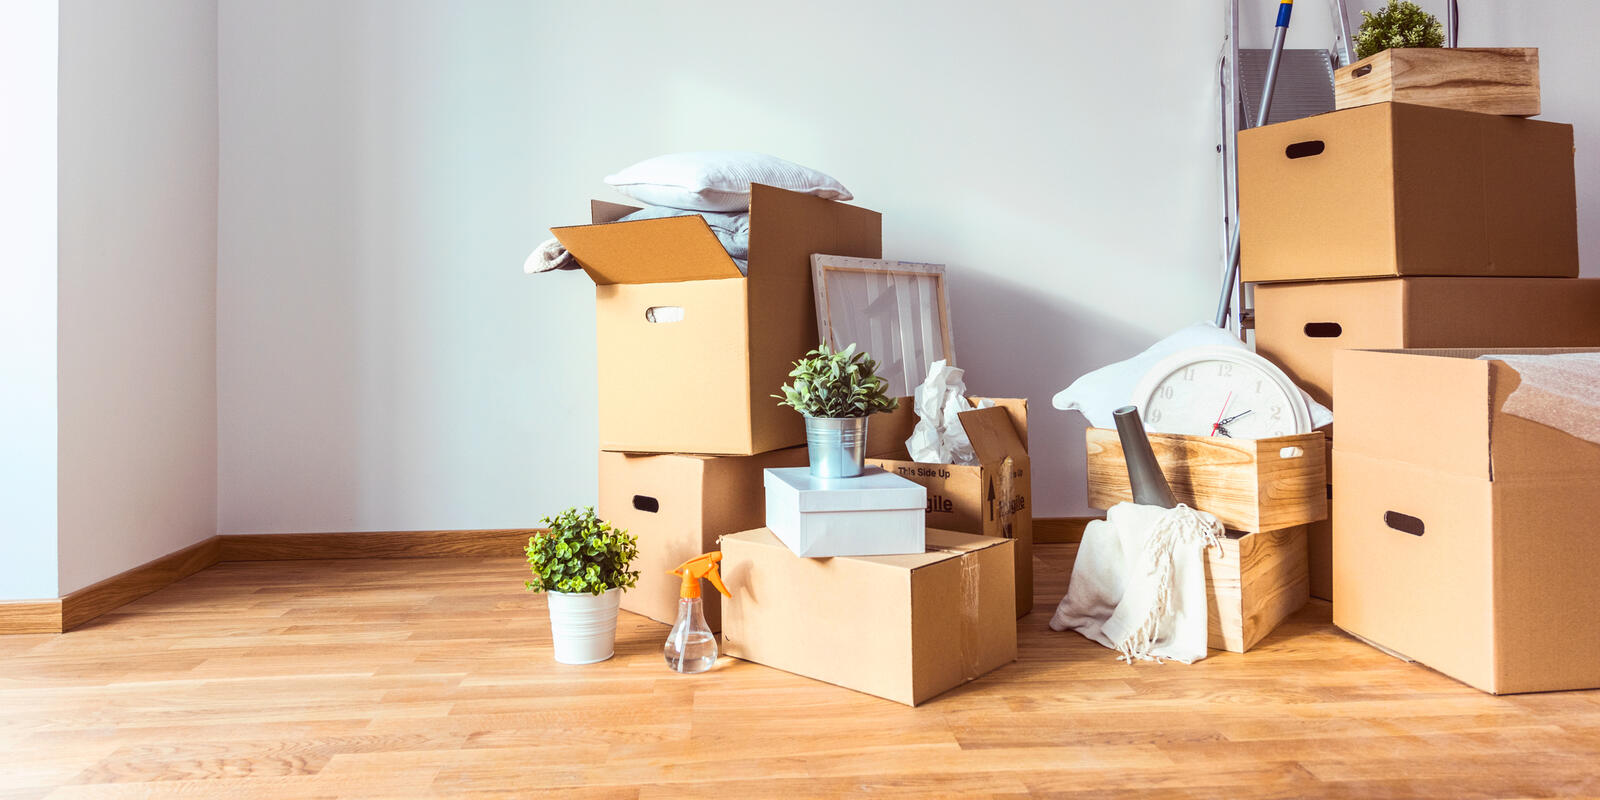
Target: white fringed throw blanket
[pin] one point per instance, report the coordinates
(1139, 583)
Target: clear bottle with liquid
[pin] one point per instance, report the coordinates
(691, 646)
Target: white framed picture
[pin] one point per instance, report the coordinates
(898, 311)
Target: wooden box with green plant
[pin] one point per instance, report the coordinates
(1403, 60)
(582, 567)
(836, 391)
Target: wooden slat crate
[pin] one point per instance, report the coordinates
(1249, 484)
(1253, 582)
(1489, 80)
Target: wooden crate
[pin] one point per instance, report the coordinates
(1489, 80)
(1253, 582)
(1249, 484)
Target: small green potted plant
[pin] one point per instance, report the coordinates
(582, 567)
(1398, 24)
(836, 391)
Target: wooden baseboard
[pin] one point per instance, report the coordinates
(30, 616)
(383, 544)
(125, 587)
(1060, 530)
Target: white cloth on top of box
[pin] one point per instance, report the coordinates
(939, 437)
(1561, 390)
(549, 255)
(718, 180)
(1110, 387)
(1139, 583)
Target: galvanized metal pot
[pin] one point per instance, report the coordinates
(837, 446)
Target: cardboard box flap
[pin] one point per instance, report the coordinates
(1381, 417)
(666, 250)
(875, 490)
(942, 546)
(992, 434)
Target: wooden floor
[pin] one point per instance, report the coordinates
(433, 677)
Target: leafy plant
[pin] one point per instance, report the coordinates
(1398, 24)
(836, 384)
(582, 554)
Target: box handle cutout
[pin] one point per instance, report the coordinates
(1404, 523)
(664, 314)
(1305, 149)
(646, 503)
(1361, 71)
(1324, 330)
(1291, 452)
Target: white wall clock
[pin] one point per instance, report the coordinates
(1221, 391)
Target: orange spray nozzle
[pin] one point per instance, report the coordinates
(701, 566)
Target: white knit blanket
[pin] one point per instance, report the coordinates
(1139, 583)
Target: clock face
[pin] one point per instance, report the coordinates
(1221, 392)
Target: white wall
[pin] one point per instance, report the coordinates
(28, 300)
(387, 165)
(137, 215)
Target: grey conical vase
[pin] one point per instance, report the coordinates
(1150, 487)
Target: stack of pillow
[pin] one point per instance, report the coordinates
(712, 184)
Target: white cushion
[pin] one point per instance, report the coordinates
(718, 180)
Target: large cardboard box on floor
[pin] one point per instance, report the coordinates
(690, 350)
(1300, 325)
(1464, 537)
(677, 506)
(1398, 189)
(905, 628)
(987, 498)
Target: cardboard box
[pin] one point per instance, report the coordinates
(877, 514)
(1488, 80)
(987, 498)
(905, 628)
(703, 383)
(1253, 582)
(1300, 325)
(677, 506)
(1397, 189)
(1464, 537)
(1250, 485)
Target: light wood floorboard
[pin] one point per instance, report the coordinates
(433, 677)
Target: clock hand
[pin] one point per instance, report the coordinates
(1234, 417)
(1215, 426)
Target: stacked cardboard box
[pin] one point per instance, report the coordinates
(689, 352)
(1394, 225)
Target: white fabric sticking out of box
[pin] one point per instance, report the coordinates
(877, 514)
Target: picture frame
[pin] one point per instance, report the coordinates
(898, 311)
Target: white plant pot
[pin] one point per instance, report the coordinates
(584, 626)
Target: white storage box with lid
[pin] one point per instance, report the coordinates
(877, 514)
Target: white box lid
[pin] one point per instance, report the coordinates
(875, 490)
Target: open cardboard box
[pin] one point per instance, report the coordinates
(1399, 189)
(1300, 325)
(703, 383)
(1464, 537)
(986, 498)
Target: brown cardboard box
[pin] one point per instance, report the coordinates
(677, 506)
(703, 384)
(1300, 325)
(1397, 189)
(972, 498)
(1464, 537)
(905, 628)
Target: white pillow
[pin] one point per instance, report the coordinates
(718, 180)
(1110, 387)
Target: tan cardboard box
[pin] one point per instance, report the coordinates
(1300, 325)
(1397, 189)
(677, 506)
(905, 628)
(703, 383)
(1464, 537)
(975, 498)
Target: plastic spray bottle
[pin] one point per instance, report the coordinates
(691, 647)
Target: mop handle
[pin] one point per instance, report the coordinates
(1280, 30)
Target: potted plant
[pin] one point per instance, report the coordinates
(836, 391)
(582, 567)
(1398, 24)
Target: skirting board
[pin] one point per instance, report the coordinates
(1060, 530)
(77, 608)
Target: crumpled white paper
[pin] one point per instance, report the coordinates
(939, 437)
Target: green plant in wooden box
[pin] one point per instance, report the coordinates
(582, 566)
(836, 391)
(1399, 23)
